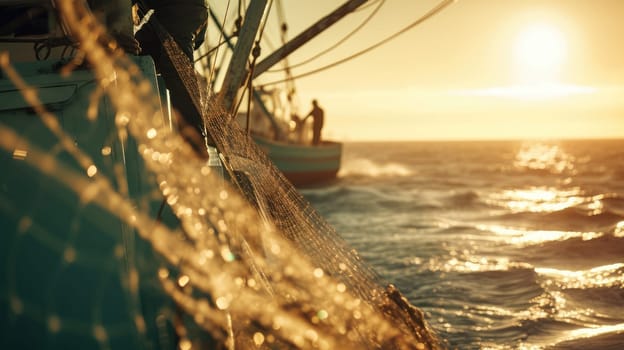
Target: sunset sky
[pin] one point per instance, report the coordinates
(480, 69)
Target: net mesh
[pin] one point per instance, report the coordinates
(244, 263)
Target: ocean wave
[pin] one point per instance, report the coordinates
(582, 216)
(614, 203)
(597, 305)
(477, 264)
(345, 197)
(327, 193)
(463, 199)
(604, 276)
(541, 325)
(505, 251)
(575, 253)
(474, 200)
(609, 337)
(528, 333)
(368, 168)
(577, 218)
(355, 198)
(618, 174)
(445, 228)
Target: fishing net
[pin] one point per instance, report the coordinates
(120, 236)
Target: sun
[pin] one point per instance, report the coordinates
(539, 52)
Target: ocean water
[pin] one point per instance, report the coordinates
(504, 245)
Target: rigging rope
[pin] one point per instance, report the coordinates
(290, 83)
(442, 5)
(214, 63)
(381, 2)
(364, 7)
(209, 52)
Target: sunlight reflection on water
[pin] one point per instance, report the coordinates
(592, 332)
(543, 156)
(471, 263)
(601, 276)
(524, 237)
(619, 229)
(537, 199)
(367, 167)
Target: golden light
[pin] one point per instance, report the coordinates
(523, 237)
(538, 199)
(544, 156)
(538, 58)
(539, 52)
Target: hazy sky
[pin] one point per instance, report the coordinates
(480, 69)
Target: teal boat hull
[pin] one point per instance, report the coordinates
(304, 165)
(67, 267)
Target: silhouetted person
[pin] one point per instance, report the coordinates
(318, 118)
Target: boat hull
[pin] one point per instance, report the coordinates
(67, 260)
(304, 165)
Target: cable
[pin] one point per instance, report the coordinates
(210, 51)
(264, 21)
(443, 4)
(290, 84)
(214, 63)
(364, 7)
(336, 44)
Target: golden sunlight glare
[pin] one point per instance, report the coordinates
(539, 52)
(538, 55)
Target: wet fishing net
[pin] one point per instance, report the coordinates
(117, 235)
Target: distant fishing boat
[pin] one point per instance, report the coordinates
(290, 146)
(287, 143)
(292, 151)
